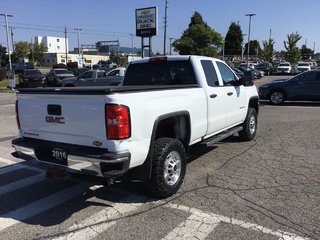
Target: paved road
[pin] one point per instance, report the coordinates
(264, 189)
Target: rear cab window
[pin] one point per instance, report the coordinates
(162, 72)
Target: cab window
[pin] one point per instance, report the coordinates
(227, 75)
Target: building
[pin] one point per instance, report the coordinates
(53, 44)
(49, 59)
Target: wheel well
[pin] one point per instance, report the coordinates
(254, 103)
(177, 127)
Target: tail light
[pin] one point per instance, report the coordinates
(17, 115)
(117, 122)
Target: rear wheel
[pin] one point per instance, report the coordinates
(277, 97)
(168, 167)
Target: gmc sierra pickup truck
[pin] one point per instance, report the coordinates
(142, 129)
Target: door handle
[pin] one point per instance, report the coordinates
(229, 93)
(213, 95)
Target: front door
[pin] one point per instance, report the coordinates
(235, 96)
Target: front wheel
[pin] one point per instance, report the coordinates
(168, 167)
(276, 97)
(249, 126)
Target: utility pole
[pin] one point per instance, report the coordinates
(171, 44)
(79, 53)
(12, 39)
(66, 43)
(132, 44)
(249, 15)
(32, 50)
(165, 28)
(8, 46)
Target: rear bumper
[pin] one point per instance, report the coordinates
(83, 159)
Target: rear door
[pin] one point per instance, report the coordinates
(216, 107)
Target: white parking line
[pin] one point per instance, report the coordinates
(21, 183)
(37, 207)
(197, 226)
(94, 225)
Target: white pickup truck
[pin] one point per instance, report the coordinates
(143, 129)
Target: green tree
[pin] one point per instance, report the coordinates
(267, 52)
(293, 54)
(3, 56)
(36, 53)
(255, 48)
(306, 53)
(198, 39)
(21, 50)
(233, 40)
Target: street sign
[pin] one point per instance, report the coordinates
(146, 22)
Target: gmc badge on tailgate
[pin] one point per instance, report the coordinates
(52, 119)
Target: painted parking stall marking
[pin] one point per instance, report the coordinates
(200, 224)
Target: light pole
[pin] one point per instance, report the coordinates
(8, 45)
(248, 45)
(242, 47)
(78, 35)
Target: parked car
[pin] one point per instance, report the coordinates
(19, 67)
(95, 78)
(238, 72)
(244, 65)
(78, 71)
(104, 65)
(303, 66)
(55, 76)
(266, 67)
(255, 73)
(284, 68)
(31, 78)
(304, 86)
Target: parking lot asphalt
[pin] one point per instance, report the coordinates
(264, 189)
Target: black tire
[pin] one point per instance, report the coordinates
(249, 126)
(168, 153)
(276, 97)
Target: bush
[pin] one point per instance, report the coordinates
(3, 74)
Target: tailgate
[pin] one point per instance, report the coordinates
(68, 118)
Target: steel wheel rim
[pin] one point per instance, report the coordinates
(172, 168)
(252, 124)
(276, 97)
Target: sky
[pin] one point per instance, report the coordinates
(109, 20)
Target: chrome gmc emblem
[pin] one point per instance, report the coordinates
(52, 119)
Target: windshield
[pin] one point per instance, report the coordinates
(284, 65)
(160, 73)
(303, 64)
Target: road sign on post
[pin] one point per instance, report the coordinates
(146, 22)
(146, 25)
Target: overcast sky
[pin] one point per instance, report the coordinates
(105, 20)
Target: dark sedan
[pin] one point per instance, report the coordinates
(302, 87)
(31, 78)
(255, 73)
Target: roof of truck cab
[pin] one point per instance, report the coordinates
(171, 58)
